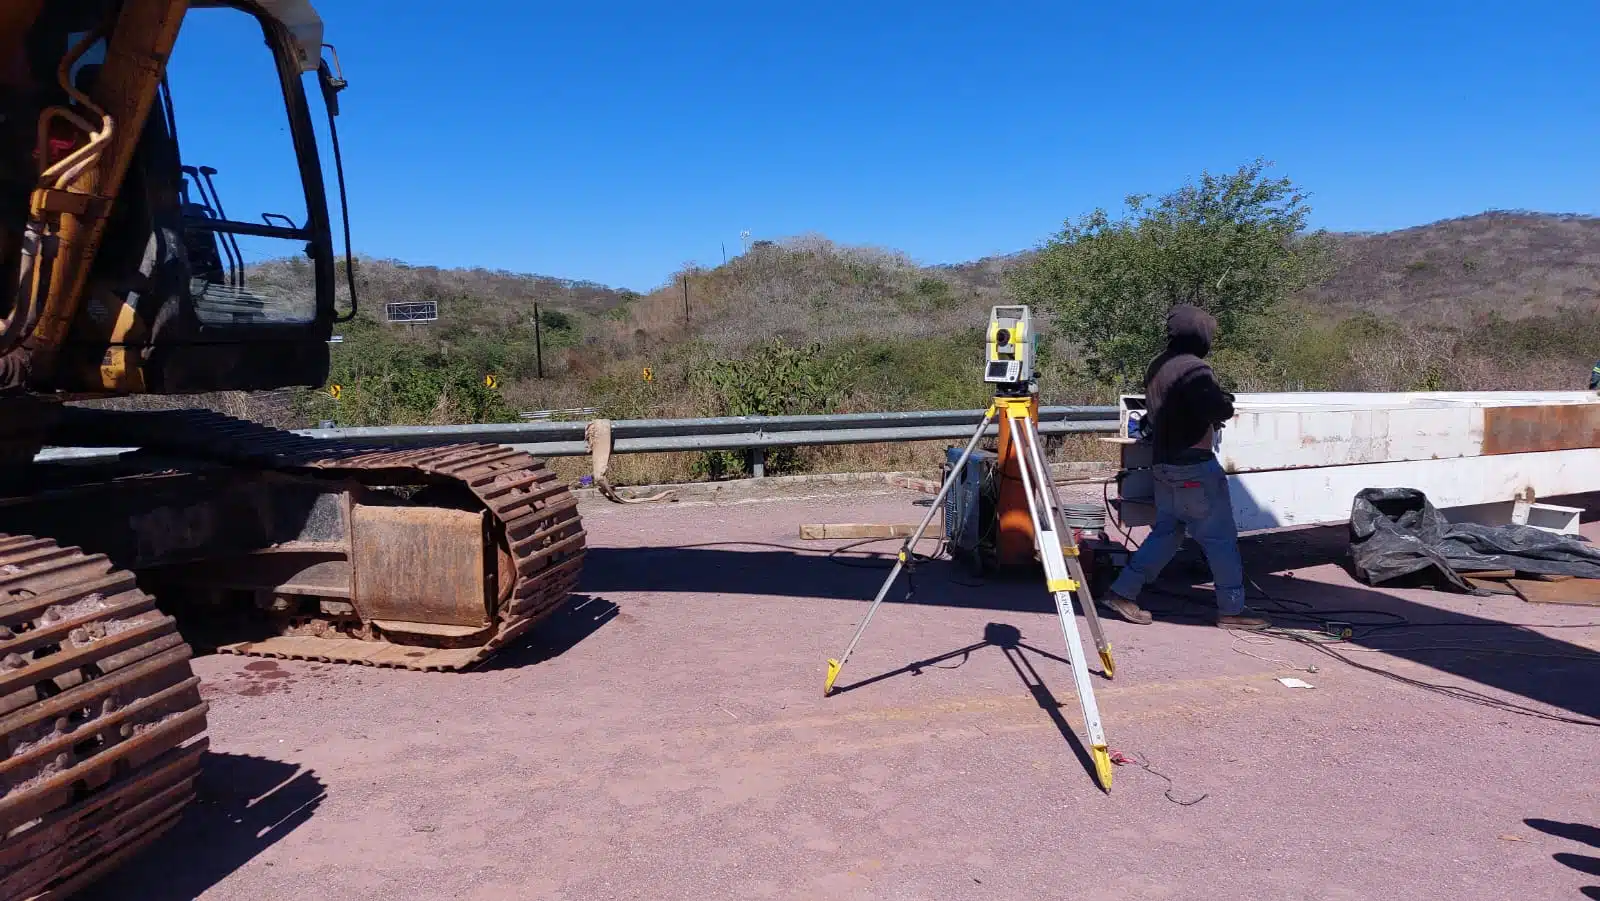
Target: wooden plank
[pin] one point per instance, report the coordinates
(1491, 574)
(859, 530)
(1576, 592)
(1491, 587)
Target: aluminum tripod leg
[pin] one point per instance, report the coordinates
(1092, 614)
(1069, 546)
(1060, 585)
(834, 666)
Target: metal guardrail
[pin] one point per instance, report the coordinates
(551, 414)
(753, 434)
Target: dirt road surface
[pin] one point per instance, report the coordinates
(666, 738)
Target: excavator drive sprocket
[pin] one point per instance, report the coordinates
(100, 717)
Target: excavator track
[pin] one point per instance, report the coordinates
(544, 548)
(100, 717)
(537, 533)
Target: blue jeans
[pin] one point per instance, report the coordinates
(1190, 499)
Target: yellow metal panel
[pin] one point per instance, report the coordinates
(114, 321)
(136, 58)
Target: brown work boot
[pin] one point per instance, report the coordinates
(1244, 620)
(1127, 609)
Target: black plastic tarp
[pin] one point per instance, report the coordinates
(1396, 532)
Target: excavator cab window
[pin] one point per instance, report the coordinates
(219, 243)
(215, 270)
(252, 209)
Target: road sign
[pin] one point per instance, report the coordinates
(413, 311)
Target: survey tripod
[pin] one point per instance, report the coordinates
(1010, 368)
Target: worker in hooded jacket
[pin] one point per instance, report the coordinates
(1184, 408)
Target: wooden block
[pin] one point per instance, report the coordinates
(846, 530)
(1576, 592)
(1550, 577)
(1491, 587)
(1491, 574)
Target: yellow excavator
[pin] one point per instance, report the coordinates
(121, 275)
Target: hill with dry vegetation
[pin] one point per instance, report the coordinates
(1516, 264)
(1494, 301)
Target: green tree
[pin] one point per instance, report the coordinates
(1234, 245)
(773, 379)
(555, 319)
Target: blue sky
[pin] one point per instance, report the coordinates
(616, 142)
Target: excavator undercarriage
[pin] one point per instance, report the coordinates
(101, 716)
(422, 558)
(122, 275)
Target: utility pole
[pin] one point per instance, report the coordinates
(538, 343)
(686, 302)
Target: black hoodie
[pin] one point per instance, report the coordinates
(1182, 397)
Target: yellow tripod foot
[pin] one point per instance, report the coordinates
(1105, 659)
(1102, 766)
(833, 673)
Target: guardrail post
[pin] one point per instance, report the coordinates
(757, 457)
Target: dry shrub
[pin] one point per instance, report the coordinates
(910, 335)
(805, 289)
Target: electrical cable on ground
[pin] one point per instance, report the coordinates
(1341, 620)
(1324, 645)
(1349, 630)
(1475, 649)
(1452, 691)
(1247, 638)
(1139, 760)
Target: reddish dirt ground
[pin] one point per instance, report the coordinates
(666, 738)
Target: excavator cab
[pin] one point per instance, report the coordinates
(164, 229)
(203, 280)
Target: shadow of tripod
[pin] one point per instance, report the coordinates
(1008, 639)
